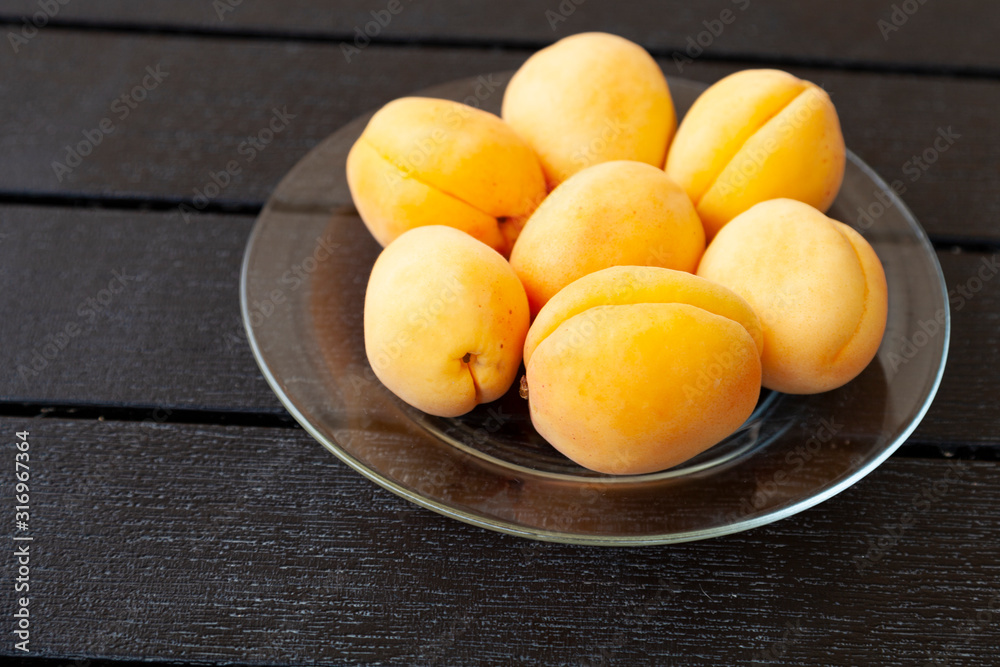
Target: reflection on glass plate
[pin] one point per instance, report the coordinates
(302, 294)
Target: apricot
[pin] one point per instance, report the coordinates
(591, 98)
(611, 214)
(445, 320)
(637, 369)
(817, 285)
(753, 136)
(423, 161)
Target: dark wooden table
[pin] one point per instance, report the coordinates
(179, 515)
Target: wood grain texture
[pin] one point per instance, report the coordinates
(967, 392)
(172, 338)
(935, 35)
(196, 122)
(233, 544)
(255, 545)
(125, 308)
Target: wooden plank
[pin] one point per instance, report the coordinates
(935, 35)
(214, 97)
(171, 337)
(968, 393)
(256, 545)
(196, 121)
(125, 308)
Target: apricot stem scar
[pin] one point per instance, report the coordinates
(467, 359)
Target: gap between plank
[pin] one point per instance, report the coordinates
(256, 34)
(910, 449)
(159, 415)
(940, 242)
(127, 202)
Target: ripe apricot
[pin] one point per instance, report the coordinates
(445, 320)
(612, 214)
(637, 369)
(591, 98)
(753, 136)
(817, 285)
(423, 161)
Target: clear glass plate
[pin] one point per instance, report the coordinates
(302, 293)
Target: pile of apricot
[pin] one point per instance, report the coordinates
(570, 234)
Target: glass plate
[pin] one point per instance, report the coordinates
(302, 293)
